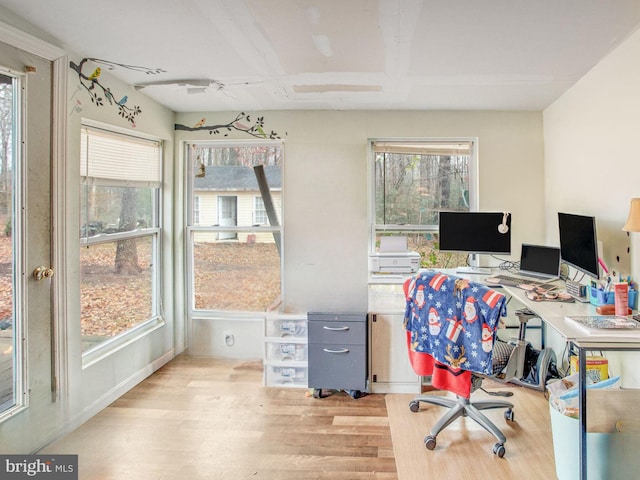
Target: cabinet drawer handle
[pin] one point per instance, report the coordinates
(342, 350)
(336, 329)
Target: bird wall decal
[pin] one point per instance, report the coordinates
(100, 94)
(96, 73)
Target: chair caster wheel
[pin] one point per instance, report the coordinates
(414, 406)
(430, 442)
(355, 394)
(509, 415)
(498, 449)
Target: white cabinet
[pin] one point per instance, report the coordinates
(391, 371)
(285, 350)
(389, 366)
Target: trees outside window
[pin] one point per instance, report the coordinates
(120, 233)
(10, 349)
(414, 180)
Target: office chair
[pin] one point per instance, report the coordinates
(451, 327)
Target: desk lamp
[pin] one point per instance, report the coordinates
(633, 225)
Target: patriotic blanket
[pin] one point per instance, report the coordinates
(454, 321)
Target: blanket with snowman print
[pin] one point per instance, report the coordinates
(454, 321)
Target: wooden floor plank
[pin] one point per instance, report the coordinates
(205, 418)
(202, 418)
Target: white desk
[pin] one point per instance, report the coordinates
(553, 314)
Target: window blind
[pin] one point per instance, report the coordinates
(424, 148)
(117, 159)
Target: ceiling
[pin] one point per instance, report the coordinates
(221, 55)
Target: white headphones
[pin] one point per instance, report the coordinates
(503, 227)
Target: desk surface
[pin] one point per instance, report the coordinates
(553, 314)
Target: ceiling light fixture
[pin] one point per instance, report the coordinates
(201, 83)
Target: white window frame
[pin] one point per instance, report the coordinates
(192, 229)
(103, 349)
(473, 184)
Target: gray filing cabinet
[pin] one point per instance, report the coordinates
(337, 344)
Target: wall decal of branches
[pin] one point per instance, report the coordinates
(255, 128)
(99, 93)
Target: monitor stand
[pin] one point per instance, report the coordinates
(474, 270)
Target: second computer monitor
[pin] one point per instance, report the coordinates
(579, 243)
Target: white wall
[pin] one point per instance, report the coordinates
(84, 390)
(325, 189)
(94, 386)
(591, 163)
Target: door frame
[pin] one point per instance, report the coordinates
(58, 58)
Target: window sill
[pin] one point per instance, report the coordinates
(108, 347)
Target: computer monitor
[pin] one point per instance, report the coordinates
(579, 243)
(540, 260)
(475, 232)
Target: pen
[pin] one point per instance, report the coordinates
(604, 267)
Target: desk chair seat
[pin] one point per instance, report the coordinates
(446, 320)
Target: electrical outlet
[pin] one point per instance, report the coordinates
(228, 337)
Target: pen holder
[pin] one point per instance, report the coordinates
(600, 297)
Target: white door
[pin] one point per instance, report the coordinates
(227, 215)
(29, 408)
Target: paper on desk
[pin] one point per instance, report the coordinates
(393, 244)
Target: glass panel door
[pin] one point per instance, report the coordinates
(8, 348)
(27, 370)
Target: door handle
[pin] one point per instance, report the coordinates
(41, 273)
(336, 329)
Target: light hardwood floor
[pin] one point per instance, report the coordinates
(203, 418)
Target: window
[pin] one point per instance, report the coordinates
(196, 210)
(259, 212)
(120, 233)
(412, 181)
(11, 327)
(235, 248)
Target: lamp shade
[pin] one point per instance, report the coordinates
(633, 221)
